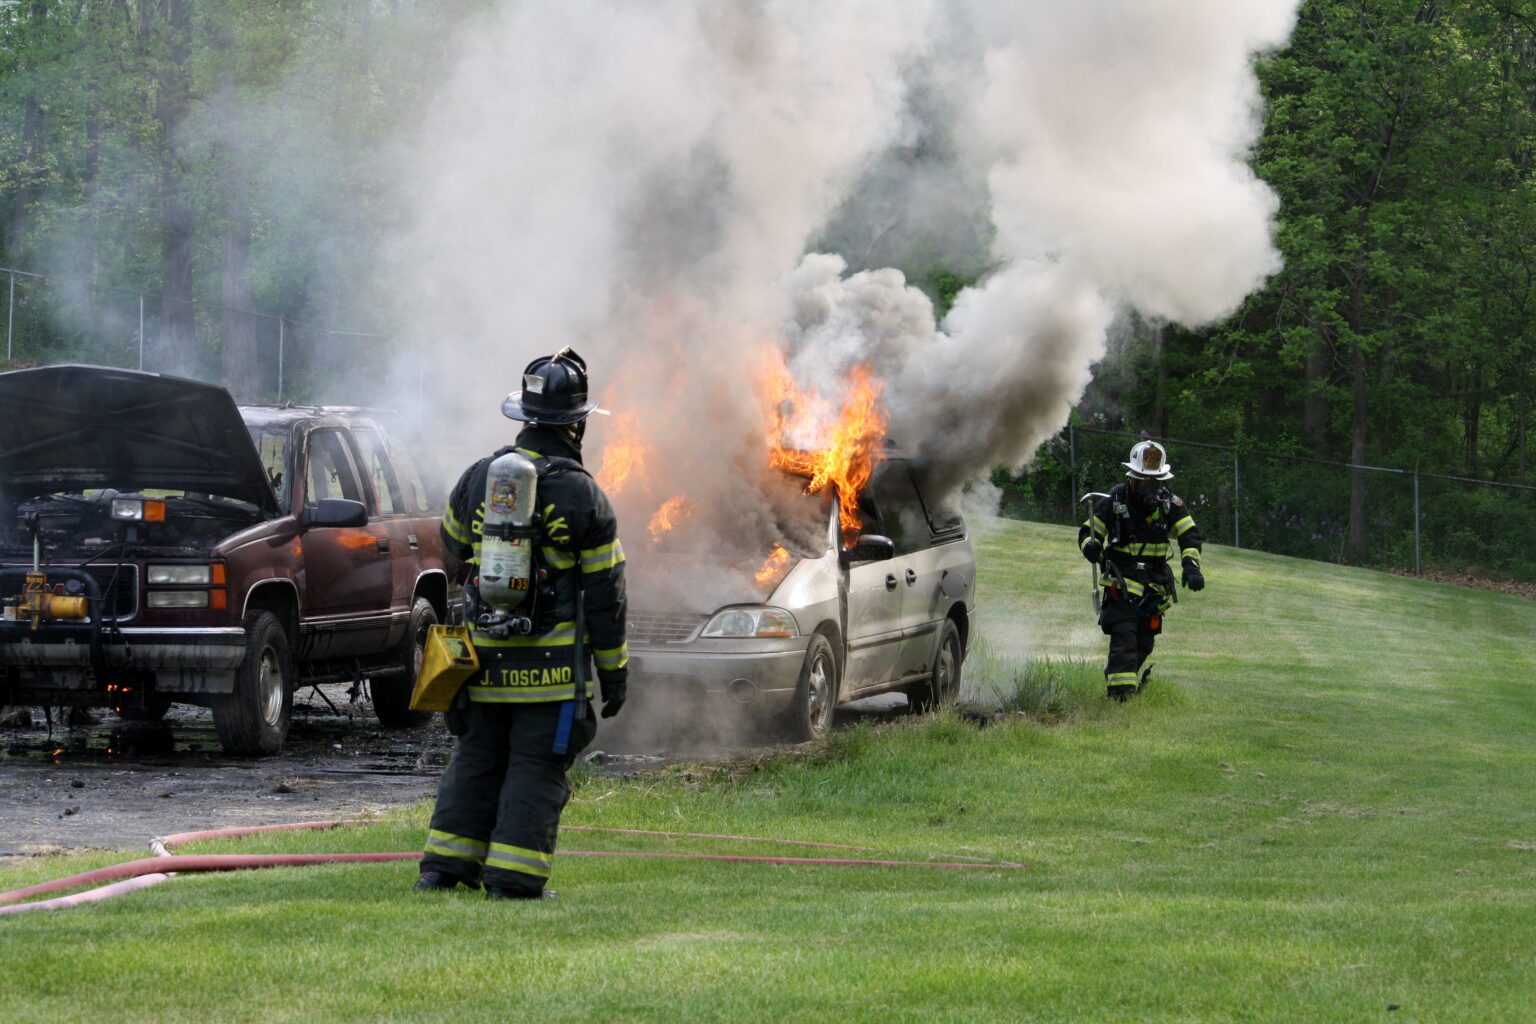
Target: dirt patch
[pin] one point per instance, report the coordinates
(115, 785)
(1514, 588)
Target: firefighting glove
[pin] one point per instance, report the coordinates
(1093, 551)
(1194, 579)
(613, 697)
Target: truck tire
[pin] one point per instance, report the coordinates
(253, 721)
(943, 686)
(810, 717)
(392, 693)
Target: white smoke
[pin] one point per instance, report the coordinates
(642, 182)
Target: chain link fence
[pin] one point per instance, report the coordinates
(46, 316)
(1293, 504)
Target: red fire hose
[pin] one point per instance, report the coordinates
(139, 874)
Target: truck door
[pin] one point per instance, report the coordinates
(394, 518)
(347, 578)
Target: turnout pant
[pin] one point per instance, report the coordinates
(500, 798)
(1131, 637)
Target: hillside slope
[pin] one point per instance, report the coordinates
(1320, 811)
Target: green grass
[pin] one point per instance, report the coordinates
(1321, 808)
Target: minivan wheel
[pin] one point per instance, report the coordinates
(392, 693)
(253, 720)
(816, 694)
(943, 686)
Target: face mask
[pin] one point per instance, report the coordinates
(1144, 488)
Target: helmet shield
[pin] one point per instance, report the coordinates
(1149, 460)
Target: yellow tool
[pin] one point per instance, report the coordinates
(39, 604)
(448, 660)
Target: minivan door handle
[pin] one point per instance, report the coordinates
(911, 577)
(890, 581)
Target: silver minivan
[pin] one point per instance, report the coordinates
(893, 613)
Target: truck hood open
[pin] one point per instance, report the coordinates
(75, 428)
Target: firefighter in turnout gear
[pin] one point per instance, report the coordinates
(1130, 533)
(523, 718)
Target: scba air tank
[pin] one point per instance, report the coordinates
(508, 531)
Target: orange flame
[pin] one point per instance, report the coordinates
(673, 511)
(774, 567)
(623, 456)
(848, 448)
(356, 540)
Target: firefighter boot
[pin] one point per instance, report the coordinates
(1146, 677)
(1121, 693)
(439, 881)
(496, 892)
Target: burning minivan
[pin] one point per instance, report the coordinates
(838, 619)
(159, 544)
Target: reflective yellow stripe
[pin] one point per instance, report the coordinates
(1086, 541)
(452, 528)
(519, 859)
(1096, 526)
(601, 558)
(446, 844)
(530, 453)
(557, 559)
(1118, 679)
(612, 658)
(1152, 549)
(524, 694)
(562, 635)
(1183, 526)
(1193, 554)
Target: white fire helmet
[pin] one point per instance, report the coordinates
(1149, 462)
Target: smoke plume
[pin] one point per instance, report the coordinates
(643, 182)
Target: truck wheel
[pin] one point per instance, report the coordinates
(253, 720)
(816, 696)
(392, 693)
(944, 685)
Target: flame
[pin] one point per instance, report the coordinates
(623, 456)
(356, 540)
(847, 446)
(673, 511)
(774, 567)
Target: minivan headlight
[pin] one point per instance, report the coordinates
(758, 622)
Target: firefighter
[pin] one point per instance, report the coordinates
(1139, 521)
(523, 718)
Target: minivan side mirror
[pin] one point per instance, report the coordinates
(871, 547)
(333, 512)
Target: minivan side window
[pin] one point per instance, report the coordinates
(944, 518)
(377, 466)
(900, 509)
(331, 473)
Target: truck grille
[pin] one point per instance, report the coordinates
(644, 628)
(125, 590)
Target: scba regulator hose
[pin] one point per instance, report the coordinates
(164, 865)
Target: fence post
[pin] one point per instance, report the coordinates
(280, 340)
(1237, 503)
(10, 317)
(141, 330)
(1418, 561)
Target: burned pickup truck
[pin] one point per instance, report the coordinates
(159, 544)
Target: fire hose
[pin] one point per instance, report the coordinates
(164, 865)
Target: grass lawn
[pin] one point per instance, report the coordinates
(1323, 810)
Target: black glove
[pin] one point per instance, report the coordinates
(1194, 579)
(613, 696)
(1093, 551)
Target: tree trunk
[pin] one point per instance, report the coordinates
(178, 341)
(1357, 452)
(1160, 360)
(1474, 420)
(32, 139)
(241, 373)
(1314, 409)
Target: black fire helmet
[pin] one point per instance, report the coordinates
(554, 391)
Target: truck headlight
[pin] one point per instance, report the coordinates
(177, 599)
(745, 622)
(174, 574)
(138, 510)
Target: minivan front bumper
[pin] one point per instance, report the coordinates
(760, 673)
